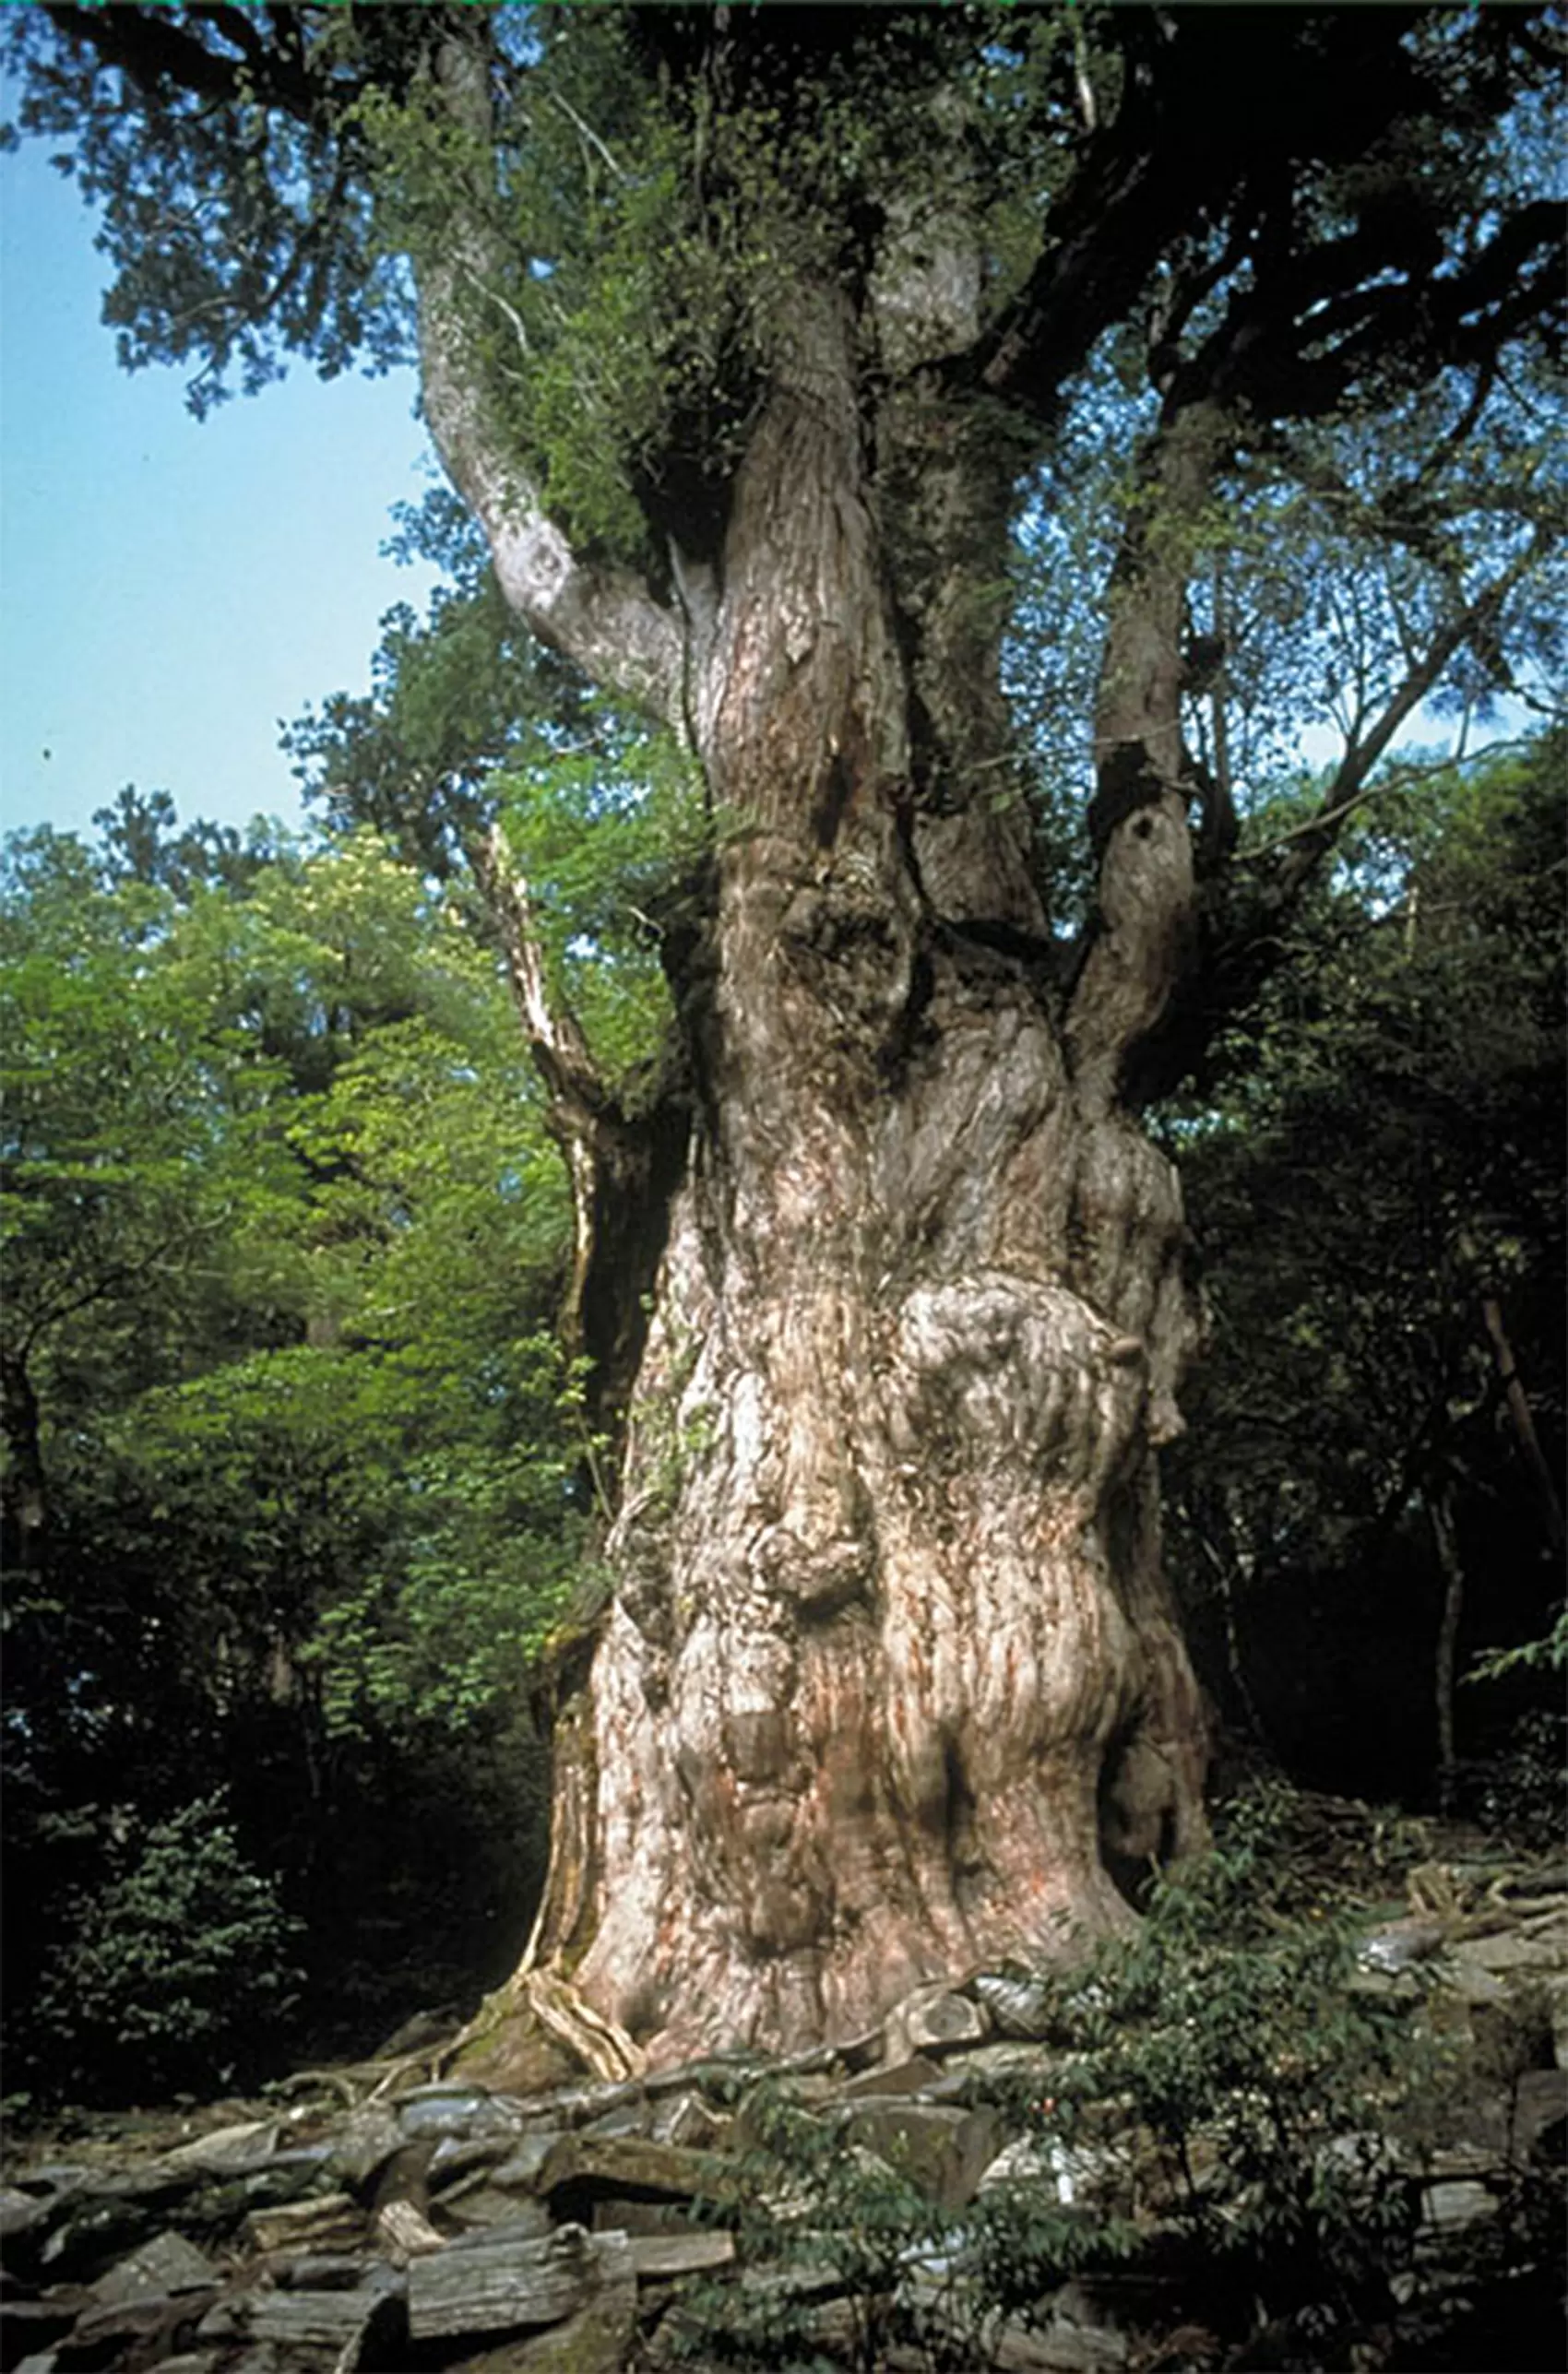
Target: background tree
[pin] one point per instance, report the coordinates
(741, 334)
(284, 1243)
(1377, 1187)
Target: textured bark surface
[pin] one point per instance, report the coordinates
(889, 1672)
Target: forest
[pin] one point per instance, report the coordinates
(850, 1283)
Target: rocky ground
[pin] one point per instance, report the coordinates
(384, 2216)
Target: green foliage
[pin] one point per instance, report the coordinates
(1550, 1650)
(1219, 2087)
(236, 233)
(650, 227)
(816, 2208)
(179, 1971)
(455, 698)
(612, 838)
(1379, 1154)
(1233, 2036)
(285, 1240)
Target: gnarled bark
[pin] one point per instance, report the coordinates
(889, 1671)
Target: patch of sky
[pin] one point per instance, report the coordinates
(171, 594)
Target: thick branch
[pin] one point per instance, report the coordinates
(1295, 346)
(555, 1035)
(622, 1170)
(1143, 937)
(603, 618)
(1236, 944)
(26, 1493)
(1523, 1422)
(1175, 155)
(579, 1105)
(160, 56)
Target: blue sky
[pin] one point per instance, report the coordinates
(170, 591)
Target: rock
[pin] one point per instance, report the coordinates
(95, 2229)
(944, 2150)
(1517, 1952)
(583, 2168)
(479, 2208)
(1521, 1886)
(1540, 2105)
(1473, 1987)
(529, 2223)
(646, 2217)
(487, 2286)
(28, 2327)
(523, 2165)
(1457, 2203)
(1020, 2007)
(686, 2119)
(146, 2321)
(434, 2111)
(404, 2233)
(320, 2272)
(331, 2219)
(1557, 1989)
(166, 2264)
(656, 2256)
(932, 2019)
(1403, 1945)
(364, 2142)
(458, 2160)
(1058, 2347)
(337, 2320)
(905, 2077)
(232, 2147)
(23, 2213)
(1078, 2174)
(578, 2106)
(222, 2199)
(629, 2117)
(595, 2340)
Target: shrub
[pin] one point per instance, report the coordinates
(177, 1972)
(1212, 2110)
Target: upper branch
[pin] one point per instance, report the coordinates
(1294, 346)
(603, 618)
(1177, 153)
(160, 56)
(1352, 780)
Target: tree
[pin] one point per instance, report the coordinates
(284, 1239)
(739, 334)
(1377, 1197)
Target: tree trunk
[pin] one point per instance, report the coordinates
(889, 1684)
(24, 1501)
(1445, 1661)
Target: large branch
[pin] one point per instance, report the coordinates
(1295, 346)
(603, 618)
(621, 1169)
(1176, 155)
(160, 56)
(1143, 938)
(1240, 942)
(1352, 781)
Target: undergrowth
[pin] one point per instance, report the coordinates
(1206, 2122)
